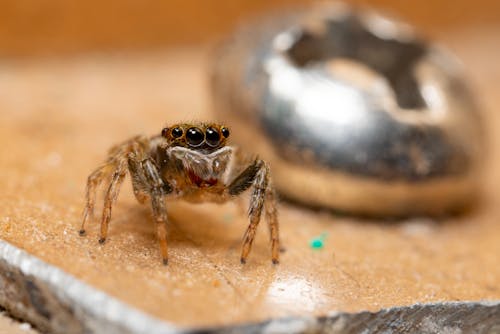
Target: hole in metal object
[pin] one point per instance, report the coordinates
(349, 38)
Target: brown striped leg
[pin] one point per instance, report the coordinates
(93, 181)
(146, 178)
(257, 199)
(160, 216)
(110, 197)
(272, 223)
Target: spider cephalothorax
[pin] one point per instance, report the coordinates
(190, 162)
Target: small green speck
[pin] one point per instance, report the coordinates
(318, 242)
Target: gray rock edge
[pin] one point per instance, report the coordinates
(57, 302)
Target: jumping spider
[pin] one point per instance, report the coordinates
(189, 162)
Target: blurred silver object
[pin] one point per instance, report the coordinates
(353, 111)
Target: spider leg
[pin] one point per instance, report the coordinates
(147, 182)
(139, 183)
(272, 222)
(110, 197)
(258, 175)
(160, 215)
(114, 170)
(93, 181)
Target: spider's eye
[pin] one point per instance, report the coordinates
(164, 132)
(225, 132)
(177, 132)
(213, 137)
(194, 137)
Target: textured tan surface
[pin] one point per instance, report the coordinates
(57, 119)
(9, 326)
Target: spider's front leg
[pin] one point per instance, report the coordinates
(147, 182)
(263, 195)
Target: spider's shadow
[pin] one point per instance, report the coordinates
(216, 226)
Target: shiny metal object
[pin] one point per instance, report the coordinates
(353, 111)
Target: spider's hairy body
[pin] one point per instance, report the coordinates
(190, 162)
(197, 176)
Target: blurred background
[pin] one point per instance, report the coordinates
(55, 27)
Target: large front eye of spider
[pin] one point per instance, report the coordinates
(194, 137)
(212, 136)
(177, 132)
